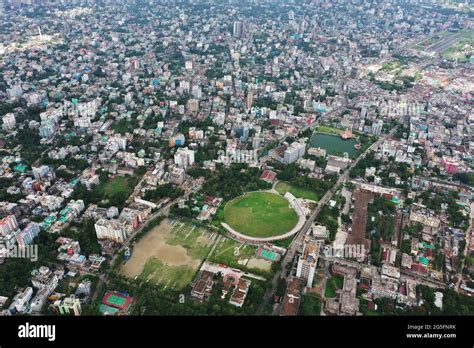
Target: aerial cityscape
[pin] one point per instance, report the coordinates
(236, 157)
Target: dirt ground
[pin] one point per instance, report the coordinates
(264, 265)
(153, 244)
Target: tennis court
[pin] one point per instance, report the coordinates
(267, 254)
(116, 300)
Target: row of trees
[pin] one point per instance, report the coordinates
(233, 181)
(297, 176)
(162, 191)
(16, 272)
(84, 233)
(153, 300)
(380, 212)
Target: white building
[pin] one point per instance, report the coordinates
(9, 122)
(20, 301)
(7, 225)
(26, 236)
(176, 175)
(184, 158)
(69, 306)
(308, 261)
(43, 173)
(320, 231)
(238, 29)
(377, 127)
(110, 229)
(294, 151)
(307, 163)
(121, 142)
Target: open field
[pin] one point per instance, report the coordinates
(462, 49)
(196, 240)
(116, 185)
(170, 254)
(432, 40)
(392, 66)
(232, 253)
(333, 283)
(170, 277)
(445, 42)
(257, 263)
(328, 130)
(260, 214)
(238, 255)
(115, 191)
(299, 192)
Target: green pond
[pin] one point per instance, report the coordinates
(334, 145)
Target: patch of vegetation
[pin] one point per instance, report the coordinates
(260, 214)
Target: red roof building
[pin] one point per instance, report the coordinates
(268, 176)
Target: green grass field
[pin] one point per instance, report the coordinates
(392, 66)
(230, 252)
(299, 192)
(169, 277)
(462, 49)
(329, 130)
(334, 283)
(116, 190)
(196, 240)
(116, 185)
(260, 214)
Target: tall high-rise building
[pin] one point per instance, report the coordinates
(9, 121)
(308, 261)
(7, 225)
(29, 233)
(69, 306)
(238, 29)
(196, 91)
(249, 100)
(294, 151)
(43, 173)
(111, 229)
(184, 158)
(377, 127)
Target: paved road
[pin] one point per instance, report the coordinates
(297, 242)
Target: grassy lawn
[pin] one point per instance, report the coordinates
(116, 185)
(311, 305)
(230, 252)
(260, 214)
(219, 216)
(457, 51)
(391, 66)
(299, 192)
(116, 190)
(329, 130)
(169, 277)
(334, 283)
(173, 255)
(197, 241)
